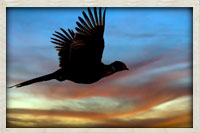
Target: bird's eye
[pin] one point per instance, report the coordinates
(124, 67)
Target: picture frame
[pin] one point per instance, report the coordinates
(103, 3)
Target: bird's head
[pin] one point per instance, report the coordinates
(118, 66)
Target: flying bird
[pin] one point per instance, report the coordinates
(80, 53)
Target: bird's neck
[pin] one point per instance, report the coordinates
(108, 70)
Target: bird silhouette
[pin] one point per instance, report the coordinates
(80, 53)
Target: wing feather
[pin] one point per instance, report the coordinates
(61, 35)
(63, 42)
(81, 27)
(95, 14)
(66, 34)
(84, 47)
(100, 16)
(89, 36)
(91, 17)
(57, 40)
(57, 43)
(104, 13)
(84, 23)
(87, 19)
(71, 33)
(80, 31)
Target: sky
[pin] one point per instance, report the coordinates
(155, 43)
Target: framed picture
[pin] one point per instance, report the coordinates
(123, 66)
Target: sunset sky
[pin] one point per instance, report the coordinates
(155, 43)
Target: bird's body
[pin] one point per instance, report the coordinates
(80, 54)
(84, 75)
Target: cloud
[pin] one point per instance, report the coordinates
(64, 118)
(142, 77)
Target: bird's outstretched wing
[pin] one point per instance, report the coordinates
(64, 44)
(84, 47)
(89, 41)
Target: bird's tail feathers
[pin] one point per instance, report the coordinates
(39, 79)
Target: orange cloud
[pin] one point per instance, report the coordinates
(36, 116)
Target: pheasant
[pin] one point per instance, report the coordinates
(80, 53)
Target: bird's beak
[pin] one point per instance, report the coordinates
(126, 68)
